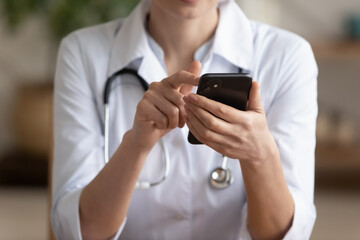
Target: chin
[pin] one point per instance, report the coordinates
(186, 9)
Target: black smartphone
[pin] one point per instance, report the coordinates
(229, 88)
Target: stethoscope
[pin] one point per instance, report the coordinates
(220, 178)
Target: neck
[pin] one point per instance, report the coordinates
(180, 37)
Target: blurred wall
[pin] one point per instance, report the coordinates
(322, 21)
(316, 19)
(24, 59)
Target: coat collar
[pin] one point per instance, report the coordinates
(130, 41)
(233, 41)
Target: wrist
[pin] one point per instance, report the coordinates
(131, 142)
(268, 156)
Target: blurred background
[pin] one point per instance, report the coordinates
(30, 32)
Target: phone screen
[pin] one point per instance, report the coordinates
(229, 88)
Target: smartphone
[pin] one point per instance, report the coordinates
(229, 88)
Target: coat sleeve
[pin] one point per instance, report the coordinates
(78, 139)
(292, 122)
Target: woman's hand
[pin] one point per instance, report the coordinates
(162, 107)
(242, 135)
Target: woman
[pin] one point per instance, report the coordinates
(271, 145)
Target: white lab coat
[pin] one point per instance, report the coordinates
(184, 206)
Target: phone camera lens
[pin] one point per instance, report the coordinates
(216, 83)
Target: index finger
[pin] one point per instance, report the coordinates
(218, 109)
(183, 77)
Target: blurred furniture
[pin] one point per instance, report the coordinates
(50, 166)
(27, 162)
(338, 157)
(338, 146)
(337, 50)
(31, 118)
(338, 166)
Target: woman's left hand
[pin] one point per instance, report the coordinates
(242, 135)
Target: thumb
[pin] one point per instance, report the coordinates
(254, 99)
(194, 68)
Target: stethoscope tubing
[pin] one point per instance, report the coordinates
(144, 84)
(106, 132)
(106, 99)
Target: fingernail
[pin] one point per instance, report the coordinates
(193, 97)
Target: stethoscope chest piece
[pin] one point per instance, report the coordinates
(221, 177)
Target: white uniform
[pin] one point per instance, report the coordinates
(184, 206)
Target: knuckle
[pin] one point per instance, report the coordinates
(212, 123)
(179, 101)
(150, 97)
(248, 123)
(140, 105)
(167, 83)
(222, 111)
(154, 85)
(181, 73)
(174, 112)
(206, 135)
(147, 95)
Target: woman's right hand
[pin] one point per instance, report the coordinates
(105, 201)
(162, 107)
